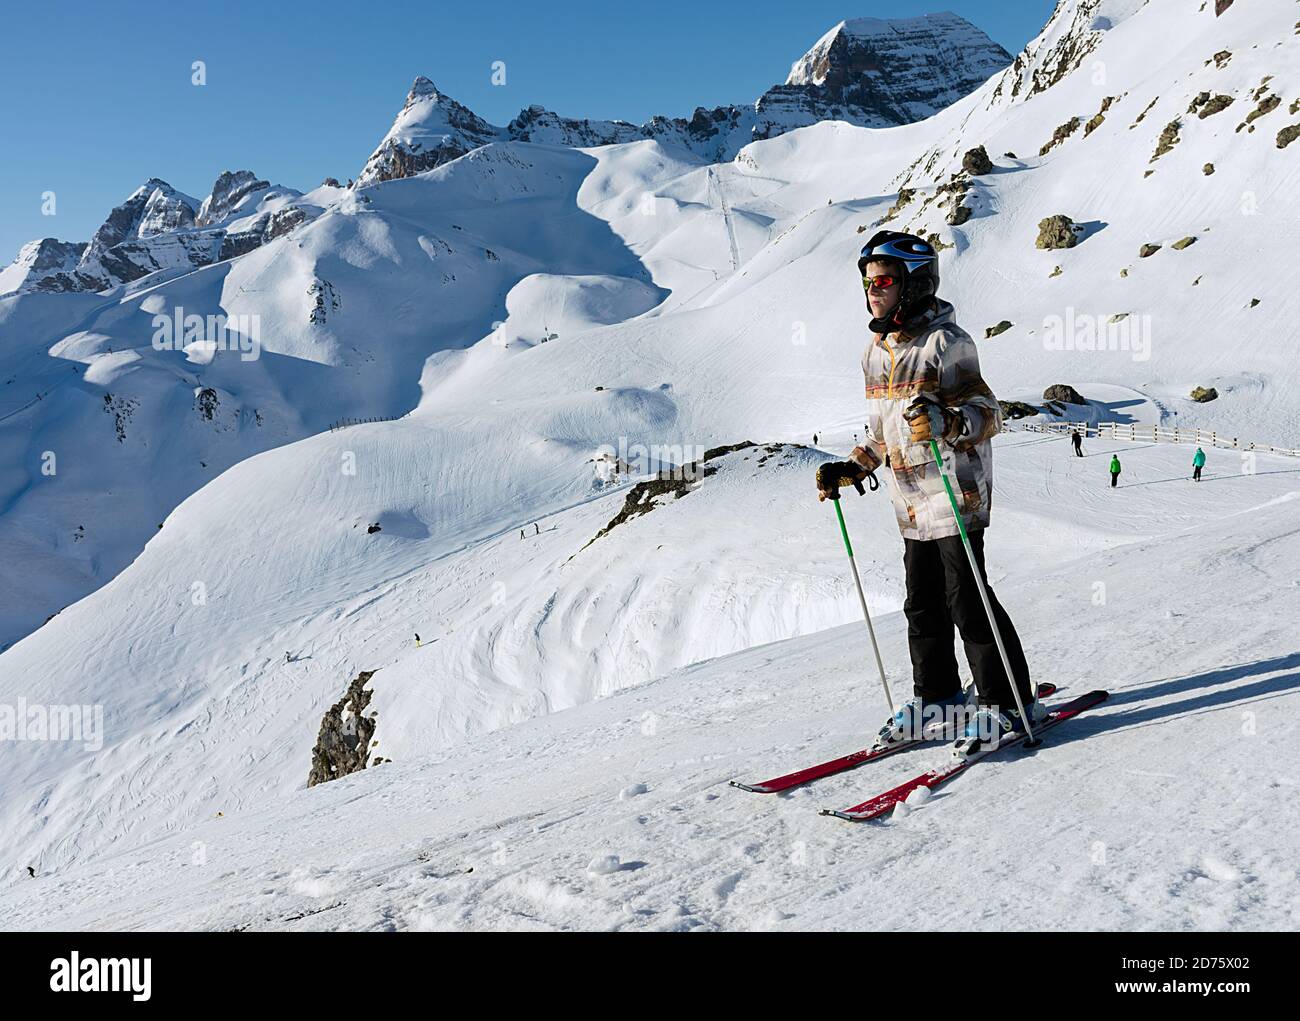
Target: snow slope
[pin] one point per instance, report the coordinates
(691, 306)
(130, 425)
(1170, 807)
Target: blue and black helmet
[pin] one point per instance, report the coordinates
(918, 258)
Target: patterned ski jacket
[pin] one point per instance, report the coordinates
(934, 356)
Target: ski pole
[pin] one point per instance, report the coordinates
(880, 665)
(1030, 740)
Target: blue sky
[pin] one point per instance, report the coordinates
(96, 97)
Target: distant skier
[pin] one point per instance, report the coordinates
(1114, 470)
(417, 639)
(521, 535)
(814, 439)
(923, 382)
(1198, 462)
(1077, 440)
(536, 529)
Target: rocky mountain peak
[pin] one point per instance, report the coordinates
(431, 129)
(894, 70)
(230, 188)
(48, 259)
(422, 88)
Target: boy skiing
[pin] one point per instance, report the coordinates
(1198, 462)
(1114, 470)
(923, 382)
(1077, 440)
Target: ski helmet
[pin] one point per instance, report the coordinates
(920, 263)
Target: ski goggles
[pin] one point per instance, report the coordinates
(880, 282)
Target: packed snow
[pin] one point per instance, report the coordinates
(534, 329)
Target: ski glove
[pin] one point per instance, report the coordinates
(833, 474)
(932, 421)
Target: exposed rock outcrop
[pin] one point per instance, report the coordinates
(1057, 231)
(343, 744)
(1167, 140)
(1060, 135)
(1064, 393)
(977, 162)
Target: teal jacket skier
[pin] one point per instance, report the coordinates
(1198, 462)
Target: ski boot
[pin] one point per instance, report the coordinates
(911, 719)
(987, 728)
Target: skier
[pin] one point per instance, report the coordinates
(1114, 470)
(1198, 462)
(814, 439)
(1077, 440)
(923, 382)
(536, 529)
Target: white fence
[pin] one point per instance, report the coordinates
(1152, 434)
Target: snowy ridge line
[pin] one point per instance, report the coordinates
(1152, 434)
(343, 423)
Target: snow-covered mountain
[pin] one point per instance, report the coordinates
(887, 71)
(431, 129)
(49, 260)
(660, 309)
(869, 71)
(159, 230)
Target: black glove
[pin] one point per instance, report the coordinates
(833, 474)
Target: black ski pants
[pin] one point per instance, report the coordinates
(942, 594)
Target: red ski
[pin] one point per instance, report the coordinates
(844, 762)
(875, 807)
